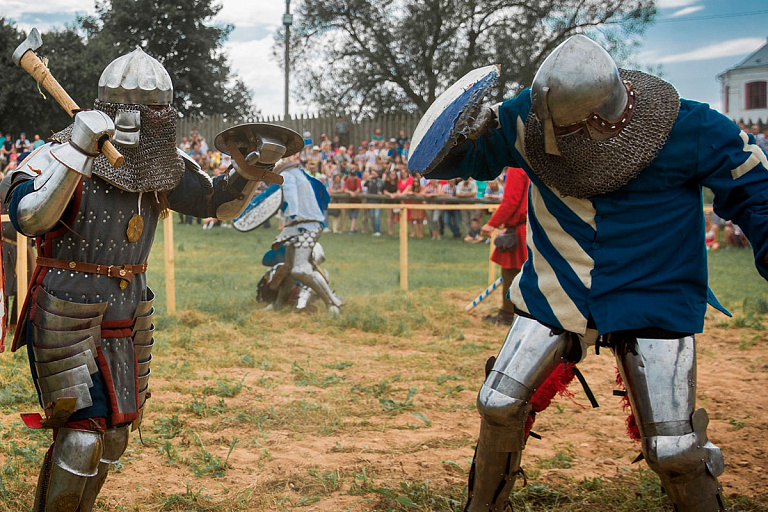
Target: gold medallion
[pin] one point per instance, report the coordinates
(135, 228)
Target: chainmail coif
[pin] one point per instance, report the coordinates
(591, 167)
(154, 164)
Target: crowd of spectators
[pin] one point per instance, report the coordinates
(211, 161)
(15, 150)
(377, 166)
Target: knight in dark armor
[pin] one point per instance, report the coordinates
(87, 319)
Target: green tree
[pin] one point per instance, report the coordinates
(22, 107)
(184, 39)
(381, 56)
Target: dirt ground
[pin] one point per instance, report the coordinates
(321, 446)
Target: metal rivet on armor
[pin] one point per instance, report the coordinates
(72, 264)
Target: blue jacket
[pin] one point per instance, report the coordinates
(633, 258)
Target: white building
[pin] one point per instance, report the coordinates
(743, 89)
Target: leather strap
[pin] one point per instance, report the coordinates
(124, 272)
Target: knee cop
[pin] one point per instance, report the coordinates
(528, 356)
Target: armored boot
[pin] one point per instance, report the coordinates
(74, 459)
(115, 443)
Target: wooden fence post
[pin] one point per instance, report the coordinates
(491, 264)
(170, 265)
(404, 249)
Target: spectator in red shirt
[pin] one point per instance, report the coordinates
(512, 215)
(353, 186)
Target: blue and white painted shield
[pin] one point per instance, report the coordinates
(260, 209)
(448, 117)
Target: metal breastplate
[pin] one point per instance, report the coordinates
(98, 235)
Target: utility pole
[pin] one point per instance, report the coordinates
(287, 21)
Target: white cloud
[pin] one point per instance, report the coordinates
(254, 64)
(686, 11)
(674, 4)
(12, 8)
(730, 48)
(247, 13)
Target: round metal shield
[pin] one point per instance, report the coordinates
(447, 118)
(245, 136)
(260, 209)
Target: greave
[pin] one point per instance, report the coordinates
(74, 458)
(43, 481)
(530, 353)
(660, 375)
(115, 443)
(318, 283)
(494, 471)
(92, 488)
(702, 493)
(302, 270)
(688, 466)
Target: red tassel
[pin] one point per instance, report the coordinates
(632, 430)
(556, 384)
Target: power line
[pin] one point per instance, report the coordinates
(711, 16)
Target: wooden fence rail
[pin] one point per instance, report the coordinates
(404, 227)
(22, 285)
(170, 259)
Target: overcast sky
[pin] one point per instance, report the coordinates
(694, 40)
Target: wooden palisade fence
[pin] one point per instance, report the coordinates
(208, 127)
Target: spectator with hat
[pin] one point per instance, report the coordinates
(23, 144)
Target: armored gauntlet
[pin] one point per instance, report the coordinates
(91, 127)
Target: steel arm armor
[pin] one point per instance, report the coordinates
(40, 204)
(57, 169)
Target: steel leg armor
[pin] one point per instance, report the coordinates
(528, 356)
(302, 270)
(66, 470)
(115, 443)
(660, 377)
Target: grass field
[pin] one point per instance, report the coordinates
(374, 409)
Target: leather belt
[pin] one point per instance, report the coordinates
(123, 272)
